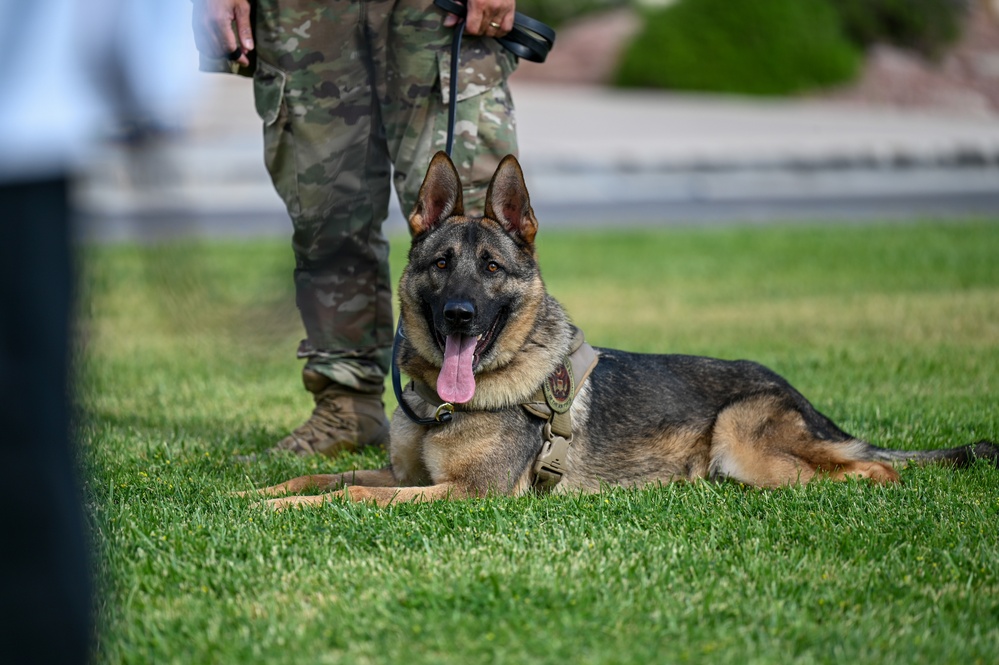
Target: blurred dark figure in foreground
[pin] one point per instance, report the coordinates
(71, 70)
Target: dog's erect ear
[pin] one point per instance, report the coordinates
(440, 195)
(508, 203)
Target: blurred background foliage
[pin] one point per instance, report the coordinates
(925, 26)
(764, 47)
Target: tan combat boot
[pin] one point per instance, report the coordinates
(341, 421)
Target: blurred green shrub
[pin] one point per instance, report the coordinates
(557, 12)
(926, 26)
(760, 47)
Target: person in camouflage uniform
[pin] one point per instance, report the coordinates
(353, 95)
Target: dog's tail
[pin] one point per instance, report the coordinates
(960, 457)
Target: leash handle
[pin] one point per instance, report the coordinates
(530, 39)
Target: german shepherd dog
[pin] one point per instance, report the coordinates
(483, 337)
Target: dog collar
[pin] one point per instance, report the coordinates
(445, 410)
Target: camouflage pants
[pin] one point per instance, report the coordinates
(353, 96)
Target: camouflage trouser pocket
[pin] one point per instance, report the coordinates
(279, 144)
(485, 128)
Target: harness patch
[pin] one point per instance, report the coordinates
(560, 387)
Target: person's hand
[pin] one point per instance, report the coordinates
(486, 18)
(213, 29)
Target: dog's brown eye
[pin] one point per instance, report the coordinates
(442, 263)
(492, 266)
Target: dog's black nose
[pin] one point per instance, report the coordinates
(457, 312)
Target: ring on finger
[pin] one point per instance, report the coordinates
(495, 25)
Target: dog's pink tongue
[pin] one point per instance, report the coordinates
(456, 384)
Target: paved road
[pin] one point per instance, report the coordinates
(594, 156)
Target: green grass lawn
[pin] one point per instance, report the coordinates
(187, 357)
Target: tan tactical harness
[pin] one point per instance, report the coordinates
(552, 402)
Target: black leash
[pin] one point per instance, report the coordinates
(530, 40)
(452, 95)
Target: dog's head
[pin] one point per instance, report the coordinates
(471, 288)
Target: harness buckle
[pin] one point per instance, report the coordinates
(550, 465)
